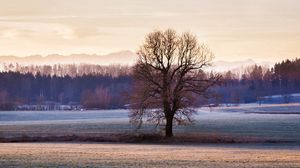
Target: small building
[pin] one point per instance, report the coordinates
(50, 106)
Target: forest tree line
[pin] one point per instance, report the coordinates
(107, 87)
(257, 82)
(92, 91)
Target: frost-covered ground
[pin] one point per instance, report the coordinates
(279, 99)
(291, 108)
(269, 122)
(137, 155)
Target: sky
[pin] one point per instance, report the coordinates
(263, 30)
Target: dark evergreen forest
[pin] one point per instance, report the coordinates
(108, 87)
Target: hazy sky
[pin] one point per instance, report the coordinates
(264, 30)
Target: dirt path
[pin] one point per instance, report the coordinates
(132, 155)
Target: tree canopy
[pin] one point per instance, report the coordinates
(168, 76)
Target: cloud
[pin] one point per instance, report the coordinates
(10, 33)
(35, 30)
(69, 26)
(64, 32)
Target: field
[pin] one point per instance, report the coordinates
(133, 155)
(244, 136)
(245, 122)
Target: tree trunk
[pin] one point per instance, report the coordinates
(169, 126)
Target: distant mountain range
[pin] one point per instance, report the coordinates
(220, 66)
(122, 57)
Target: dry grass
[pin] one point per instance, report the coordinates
(181, 138)
(130, 155)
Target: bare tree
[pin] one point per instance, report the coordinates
(168, 77)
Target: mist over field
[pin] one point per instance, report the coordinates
(239, 124)
(219, 137)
